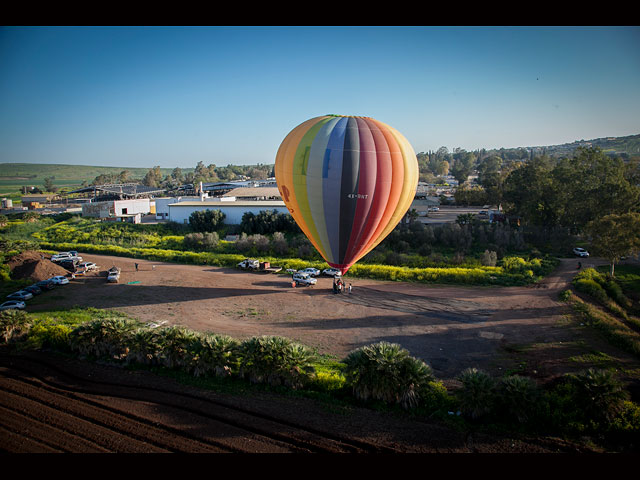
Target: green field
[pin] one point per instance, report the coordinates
(15, 175)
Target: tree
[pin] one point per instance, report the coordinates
(529, 192)
(49, 186)
(591, 185)
(153, 178)
(615, 236)
(463, 166)
(206, 220)
(125, 176)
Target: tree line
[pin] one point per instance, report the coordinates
(178, 176)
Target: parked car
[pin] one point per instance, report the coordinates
(13, 304)
(581, 252)
(332, 272)
(45, 285)
(59, 280)
(88, 266)
(314, 272)
(20, 295)
(62, 256)
(113, 274)
(33, 289)
(304, 279)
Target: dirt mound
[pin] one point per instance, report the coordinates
(33, 265)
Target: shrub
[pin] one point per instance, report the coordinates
(276, 361)
(565, 295)
(385, 371)
(104, 338)
(514, 264)
(144, 346)
(211, 353)
(207, 220)
(201, 241)
(45, 335)
(615, 293)
(599, 395)
(477, 395)
(174, 346)
(14, 326)
(592, 288)
(489, 258)
(518, 398)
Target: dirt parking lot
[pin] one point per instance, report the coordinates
(56, 404)
(523, 329)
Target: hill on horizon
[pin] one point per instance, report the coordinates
(15, 175)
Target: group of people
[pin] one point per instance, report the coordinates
(339, 286)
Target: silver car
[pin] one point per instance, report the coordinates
(20, 295)
(13, 304)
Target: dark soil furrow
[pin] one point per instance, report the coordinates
(23, 423)
(22, 442)
(297, 437)
(91, 424)
(198, 421)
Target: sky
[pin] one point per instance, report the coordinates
(174, 96)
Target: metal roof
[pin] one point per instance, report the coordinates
(129, 189)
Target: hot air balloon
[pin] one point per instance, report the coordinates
(347, 181)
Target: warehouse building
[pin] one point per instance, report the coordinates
(233, 209)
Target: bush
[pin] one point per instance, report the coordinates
(385, 371)
(276, 361)
(599, 397)
(104, 338)
(14, 326)
(206, 220)
(477, 396)
(565, 295)
(174, 346)
(216, 354)
(518, 398)
(201, 241)
(591, 288)
(489, 259)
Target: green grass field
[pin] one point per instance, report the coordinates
(15, 175)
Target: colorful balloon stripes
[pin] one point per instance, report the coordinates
(347, 181)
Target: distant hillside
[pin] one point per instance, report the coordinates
(15, 175)
(619, 146)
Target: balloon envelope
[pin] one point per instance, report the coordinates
(347, 181)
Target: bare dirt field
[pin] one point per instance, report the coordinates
(449, 327)
(65, 405)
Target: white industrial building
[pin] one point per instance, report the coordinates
(180, 211)
(118, 210)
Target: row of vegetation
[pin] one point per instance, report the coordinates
(474, 254)
(611, 308)
(381, 375)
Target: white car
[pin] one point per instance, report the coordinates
(11, 304)
(20, 295)
(304, 279)
(581, 252)
(60, 257)
(59, 280)
(314, 272)
(332, 272)
(88, 266)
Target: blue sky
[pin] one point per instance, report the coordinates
(174, 96)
